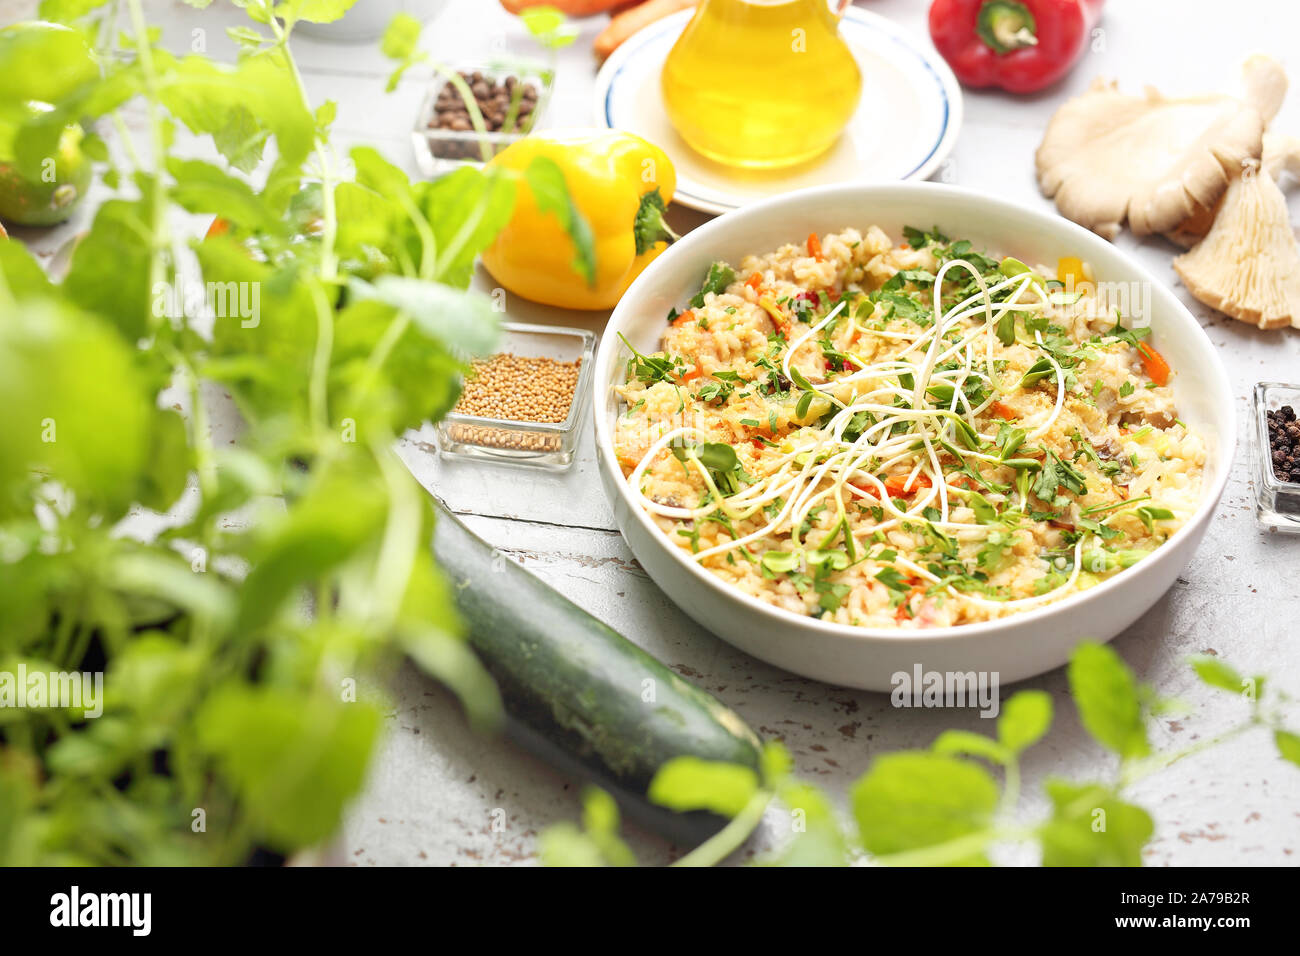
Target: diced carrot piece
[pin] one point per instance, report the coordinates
(894, 485)
(1003, 411)
(1154, 363)
(219, 227)
(685, 317)
(697, 372)
(815, 247)
(755, 280)
(758, 443)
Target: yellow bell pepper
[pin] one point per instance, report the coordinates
(619, 183)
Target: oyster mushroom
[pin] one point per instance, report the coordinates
(1157, 162)
(1248, 264)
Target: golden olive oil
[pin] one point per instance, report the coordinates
(761, 83)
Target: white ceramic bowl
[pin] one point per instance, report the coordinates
(1015, 647)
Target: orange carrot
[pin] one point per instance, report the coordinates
(697, 372)
(629, 22)
(894, 485)
(1003, 411)
(755, 280)
(219, 227)
(570, 8)
(687, 316)
(1157, 368)
(815, 247)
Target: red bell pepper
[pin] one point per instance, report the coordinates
(1017, 45)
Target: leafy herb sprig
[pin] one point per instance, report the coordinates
(245, 639)
(957, 802)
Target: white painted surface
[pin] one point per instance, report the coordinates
(435, 786)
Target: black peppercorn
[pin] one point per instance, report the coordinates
(1284, 443)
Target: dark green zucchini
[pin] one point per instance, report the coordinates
(573, 687)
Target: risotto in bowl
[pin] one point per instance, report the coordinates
(852, 441)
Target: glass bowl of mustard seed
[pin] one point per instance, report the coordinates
(524, 404)
(1277, 456)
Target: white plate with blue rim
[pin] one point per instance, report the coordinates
(904, 128)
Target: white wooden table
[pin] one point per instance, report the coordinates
(436, 788)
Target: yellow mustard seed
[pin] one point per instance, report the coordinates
(519, 389)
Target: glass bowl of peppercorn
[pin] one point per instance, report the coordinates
(511, 99)
(1277, 471)
(524, 405)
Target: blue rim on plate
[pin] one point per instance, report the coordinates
(859, 23)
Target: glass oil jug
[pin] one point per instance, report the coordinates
(762, 83)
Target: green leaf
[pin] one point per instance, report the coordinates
(401, 37)
(22, 274)
(963, 743)
(1091, 826)
(109, 272)
(911, 800)
(828, 559)
(68, 11)
(1106, 694)
(65, 378)
(43, 62)
(689, 783)
(171, 461)
(448, 659)
(780, 562)
(717, 456)
(549, 27)
(467, 209)
(333, 520)
(295, 760)
(817, 838)
(1149, 516)
(1006, 328)
(241, 139)
(597, 844)
(1040, 370)
(1288, 745)
(205, 96)
(1025, 719)
(551, 194)
(720, 275)
(247, 38)
(313, 11)
(1216, 673)
(465, 321)
(985, 513)
(204, 188)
